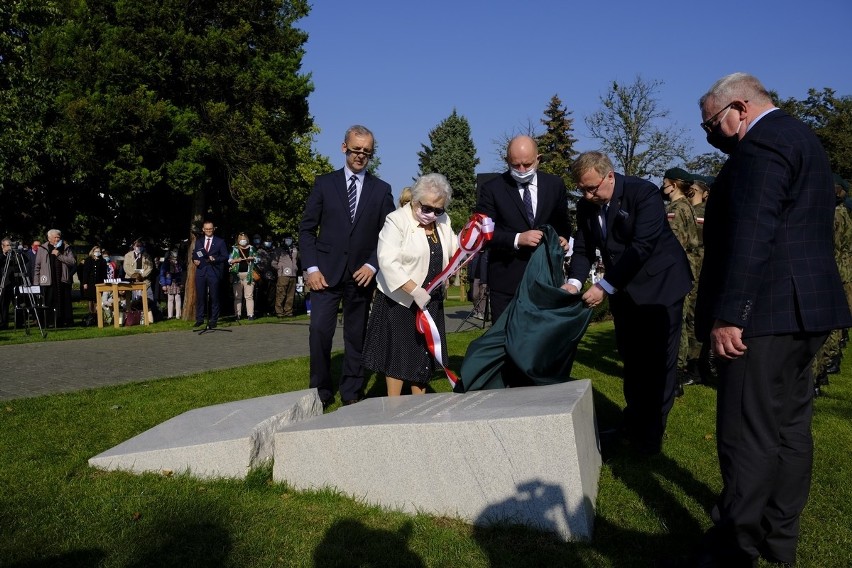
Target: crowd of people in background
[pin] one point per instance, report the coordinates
(54, 273)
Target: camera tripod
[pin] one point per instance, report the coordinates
(27, 289)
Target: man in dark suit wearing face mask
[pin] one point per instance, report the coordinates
(646, 278)
(768, 295)
(519, 201)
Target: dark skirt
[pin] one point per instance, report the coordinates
(393, 345)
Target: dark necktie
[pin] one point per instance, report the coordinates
(207, 245)
(528, 203)
(604, 211)
(353, 196)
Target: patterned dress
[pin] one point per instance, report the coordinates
(393, 345)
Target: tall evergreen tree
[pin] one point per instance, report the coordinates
(170, 110)
(556, 145)
(451, 152)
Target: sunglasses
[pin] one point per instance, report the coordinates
(708, 125)
(429, 209)
(359, 152)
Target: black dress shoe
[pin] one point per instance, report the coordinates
(833, 367)
(211, 325)
(821, 380)
(327, 403)
(199, 324)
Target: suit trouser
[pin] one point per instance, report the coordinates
(648, 337)
(763, 421)
(209, 281)
(356, 306)
(499, 302)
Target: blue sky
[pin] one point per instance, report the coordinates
(401, 67)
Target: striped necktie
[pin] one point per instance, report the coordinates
(528, 204)
(353, 196)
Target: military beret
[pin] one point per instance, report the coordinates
(841, 182)
(679, 174)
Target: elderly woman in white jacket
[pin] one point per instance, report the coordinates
(415, 244)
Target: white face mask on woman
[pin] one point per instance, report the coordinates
(424, 218)
(243, 242)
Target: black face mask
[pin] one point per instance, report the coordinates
(726, 144)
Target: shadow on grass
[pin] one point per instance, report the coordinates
(349, 542)
(73, 559)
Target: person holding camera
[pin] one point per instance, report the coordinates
(7, 261)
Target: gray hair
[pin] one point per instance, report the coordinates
(6, 241)
(54, 232)
(358, 130)
(432, 184)
(593, 159)
(740, 86)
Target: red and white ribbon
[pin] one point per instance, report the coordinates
(478, 230)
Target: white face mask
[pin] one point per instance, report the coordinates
(288, 242)
(522, 177)
(243, 242)
(424, 218)
(97, 253)
(267, 244)
(58, 244)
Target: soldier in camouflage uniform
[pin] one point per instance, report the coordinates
(827, 359)
(699, 358)
(677, 189)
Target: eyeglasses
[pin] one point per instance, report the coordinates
(360, 152)
(593, 190)
(708, 125)
(429, 209)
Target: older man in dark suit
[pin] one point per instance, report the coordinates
(646, 278)
(519, 201)
(768, 295)
(339, 235)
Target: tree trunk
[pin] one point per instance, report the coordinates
(198, 208)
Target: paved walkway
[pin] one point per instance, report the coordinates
(50, 367)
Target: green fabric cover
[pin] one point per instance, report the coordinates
(539, 331)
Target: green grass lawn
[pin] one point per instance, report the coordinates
(57, 511)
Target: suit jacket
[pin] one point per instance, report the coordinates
(218, 251)
(404, 252)
(500, 199)
(641, 255)
(328, 238)
(768, 254)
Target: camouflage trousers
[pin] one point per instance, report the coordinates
(689, 348)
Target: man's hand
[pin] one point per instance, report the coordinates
(363, 276)
(196, 262)
(563, 242)
(594, 296)
(530, 238)
(570, 288)
(316, 281)
(726, 340)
